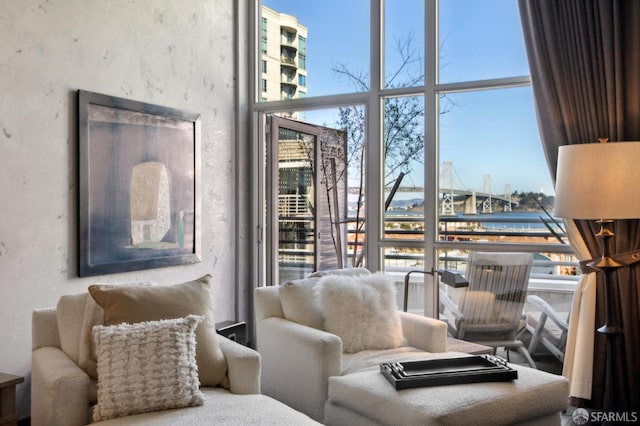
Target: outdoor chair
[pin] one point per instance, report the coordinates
(489, 311)
(546, 326)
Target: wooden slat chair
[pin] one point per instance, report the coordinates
(546, 326)
(490, 310)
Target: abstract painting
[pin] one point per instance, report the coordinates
(139, 176)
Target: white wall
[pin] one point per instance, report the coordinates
(173, 53)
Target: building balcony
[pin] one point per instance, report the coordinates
(288, 61)
(289, 82)
(288, 43)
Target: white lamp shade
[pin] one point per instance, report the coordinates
(598, 181)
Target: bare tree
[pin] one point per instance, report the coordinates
(403, 134)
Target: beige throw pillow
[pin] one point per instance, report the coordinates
(94, 315)
(133, 304)
(361, 310)
(146, 366)
(299, 302)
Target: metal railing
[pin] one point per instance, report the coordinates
(287, 60)
(553, 259)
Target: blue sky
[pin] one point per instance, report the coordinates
(488, 132)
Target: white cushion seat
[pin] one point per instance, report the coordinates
(367, 397)
(371, 359)
(220, 407)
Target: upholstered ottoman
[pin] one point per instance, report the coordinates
(366, 398)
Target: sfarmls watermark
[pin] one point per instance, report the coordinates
(581, 416)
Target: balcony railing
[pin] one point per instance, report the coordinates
(290, 42)
(293, 205)
(553, 260)
(288, 60)
(553, 276)
(288, 80)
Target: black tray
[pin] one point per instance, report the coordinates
(447, 371)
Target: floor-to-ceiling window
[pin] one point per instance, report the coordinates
(399, 135)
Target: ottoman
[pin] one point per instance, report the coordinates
(366, 398)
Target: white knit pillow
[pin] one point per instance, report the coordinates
(361, 310)
(146, 366)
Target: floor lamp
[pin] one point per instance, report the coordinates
(450, 278)
(599, 181)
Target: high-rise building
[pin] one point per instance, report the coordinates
(283, 62)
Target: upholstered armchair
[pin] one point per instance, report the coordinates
(67, 379)
(299, 355)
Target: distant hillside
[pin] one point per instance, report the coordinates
(528, 201)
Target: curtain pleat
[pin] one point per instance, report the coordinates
(584, 57)
(578, 358)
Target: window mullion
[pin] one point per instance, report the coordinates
(374, 167)
(431, 172)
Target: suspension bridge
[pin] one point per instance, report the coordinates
(467, 200)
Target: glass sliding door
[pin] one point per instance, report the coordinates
(307, 204)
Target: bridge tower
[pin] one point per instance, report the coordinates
(507, 196)
(446, 184)
(486, 188)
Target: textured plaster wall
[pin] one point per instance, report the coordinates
(172, 53)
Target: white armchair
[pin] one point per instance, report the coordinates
(298, 360)
(64, 393)
(327, 376)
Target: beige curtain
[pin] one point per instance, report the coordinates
(578, 359)
(584, 57)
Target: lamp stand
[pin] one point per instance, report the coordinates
(450, 278)
(608, 265)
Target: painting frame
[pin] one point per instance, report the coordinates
(139, 185)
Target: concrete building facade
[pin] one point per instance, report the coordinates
(283, 43)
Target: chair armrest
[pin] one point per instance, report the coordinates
(44, 328)
(427, 334)
(59, 389)
(297, 362)
(243, 367)
(267, 302)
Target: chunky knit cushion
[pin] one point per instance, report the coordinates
(146, 367)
